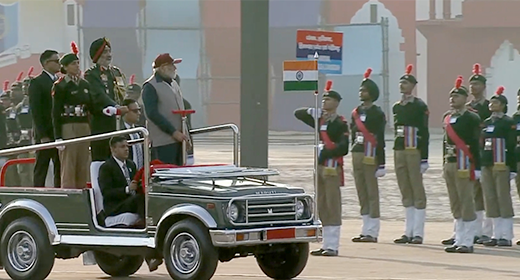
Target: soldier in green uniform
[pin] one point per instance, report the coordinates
(498, 169)
(107, 82)
(334, 136)
(411, 157)
(25, 123)
(12, 179)
(368, 156)
(516, 118)
(461, 168)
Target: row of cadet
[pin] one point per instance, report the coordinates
(481, 155)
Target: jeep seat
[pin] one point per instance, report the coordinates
(123, 219)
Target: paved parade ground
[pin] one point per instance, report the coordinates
(291, 154)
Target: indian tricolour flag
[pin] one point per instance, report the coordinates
(300, 75)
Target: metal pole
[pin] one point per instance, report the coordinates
(316, 144)
(184, 142)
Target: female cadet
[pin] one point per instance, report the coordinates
(71, 104)
(498, 168)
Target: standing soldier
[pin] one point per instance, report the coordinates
(411, 157)
(26, 128)
(461, 168)
(334, 138)
(498, 169)
(516, 118)
(107, 83)
(13, 134)
(368, 156)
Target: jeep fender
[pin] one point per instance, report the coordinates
(39, 210)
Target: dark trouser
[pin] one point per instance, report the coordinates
(171, 153)
(41, 167)
(132, 204)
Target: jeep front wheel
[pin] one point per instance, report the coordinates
(286, 264)
(26, 251)
(118, 266)
(188, 251)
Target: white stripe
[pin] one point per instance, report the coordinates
(308, 75)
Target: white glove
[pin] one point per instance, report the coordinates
(381, 171)
(424, 166)
(110, 111)
(311, 111)
(190, 160)
(61, 148)
(477, 174)
(512, 175)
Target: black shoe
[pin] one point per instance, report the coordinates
(465, 249)
(402, 240)
(368, 239)
(451, 249)
(153, 264)
(504, 243)
(329, 253)
(317, 252)
(357, 238)
(490, 242)
(417, 240)
(518, 242)
(449, 241)
(482, 239)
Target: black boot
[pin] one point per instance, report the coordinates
(330, 253)
(402, 240)
(318, 252)
(490, 243)
(451, 249)
(449, 241)
(465, 249)
(504, 243)
(357, 238)
(368, 239)
(482, 239)
(417, 240)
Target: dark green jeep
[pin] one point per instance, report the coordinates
(195, 217)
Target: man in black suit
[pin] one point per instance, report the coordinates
(131, 120)
(120, 193)
(40, 104)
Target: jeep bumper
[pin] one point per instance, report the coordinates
(257, 236)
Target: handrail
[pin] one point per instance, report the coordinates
(213, 128)
(11, 162)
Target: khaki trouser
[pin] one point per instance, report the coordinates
(12, 178)
(409, 178)
(366, 186)
(26, 171)
(329, 197)
(497, 193)
(517, 178)
(479, 197)
(460, 192)
(75, 159)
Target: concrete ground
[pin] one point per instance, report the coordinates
(291, 154)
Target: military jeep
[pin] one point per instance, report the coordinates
(196, 216)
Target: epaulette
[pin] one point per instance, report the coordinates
(343, 118)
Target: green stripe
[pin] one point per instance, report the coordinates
(304, 85)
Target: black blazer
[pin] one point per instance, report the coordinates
(40, 104)
(128, 138)
(112, 183)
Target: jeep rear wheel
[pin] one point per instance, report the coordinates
(118, 266)
(188, 251)
(26, 251)
(287, 264)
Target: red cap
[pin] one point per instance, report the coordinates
(165, 58)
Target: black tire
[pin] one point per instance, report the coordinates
(286, 265)
(118, 266)
(30, 235)
(191, 235)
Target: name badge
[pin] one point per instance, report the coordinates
(25, 132)
(12, 115)
(323, 127)
(363, 117)
(120, 81)
(488, 144)
(77, 110)
(453, 120)
(400, 130)
(360, 139)
(25, 110)
(490, 128)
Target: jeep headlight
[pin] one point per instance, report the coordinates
(232, 212)
(300, 209)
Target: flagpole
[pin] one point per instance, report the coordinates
(316, 143)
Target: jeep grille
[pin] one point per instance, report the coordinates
(272, 209)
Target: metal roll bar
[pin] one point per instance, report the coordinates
(213, 128)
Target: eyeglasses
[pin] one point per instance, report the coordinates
(135, 110)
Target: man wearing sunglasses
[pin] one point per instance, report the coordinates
(131, 120)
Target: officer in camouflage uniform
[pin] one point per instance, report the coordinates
(498, 169)
(25, 123)
(12, 179)
(411, 157)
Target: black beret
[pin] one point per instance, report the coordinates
(332, 94)
(408, 76)
(372, 88)
(67, 59)
(97, 47)
(459, 88)
(499, 95)
(477, 74)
